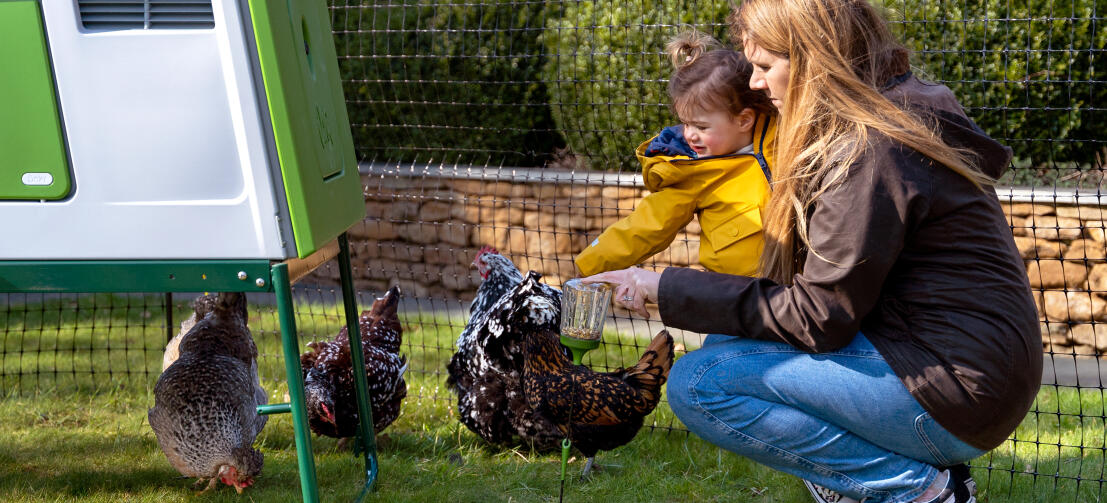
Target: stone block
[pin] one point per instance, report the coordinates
(374, 230)
(555, 243)
(538, 220)
(1073, 306)
(399, 250)
(486, 235)
(1056, 274)
(1032, 248)
(1096, 230)
(1081, 212)
(580, 190)
(516, 241)
(1026, 209)
(1097, 278)
(620, 192)
(423, 233)
(1053, 228)
(454, 233)
(444, 255)
(458, 277)
(434, 211)
(544, 191)
(1089, 334)
(1087, 250)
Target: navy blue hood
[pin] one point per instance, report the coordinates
(670, 142)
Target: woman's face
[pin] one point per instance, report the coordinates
(770, 72)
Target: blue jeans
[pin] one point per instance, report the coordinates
(842, 419)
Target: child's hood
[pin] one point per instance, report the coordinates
(657, 155)
(660, 170)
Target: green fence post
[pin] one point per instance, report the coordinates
(290, 343)
(361, 387)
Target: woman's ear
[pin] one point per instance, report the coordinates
(746, 119)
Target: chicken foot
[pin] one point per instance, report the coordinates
(211, 484)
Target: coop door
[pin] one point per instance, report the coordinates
(33, 162)
(310, 126)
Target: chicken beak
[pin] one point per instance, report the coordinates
(238, 488)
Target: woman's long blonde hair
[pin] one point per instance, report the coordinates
(841, 53)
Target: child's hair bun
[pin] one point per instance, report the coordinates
(689, 45)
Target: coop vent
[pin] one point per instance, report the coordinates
(146, 14)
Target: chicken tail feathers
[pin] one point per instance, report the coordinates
(651, 371)
(384, 330)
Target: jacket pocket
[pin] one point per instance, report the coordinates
(736, 228)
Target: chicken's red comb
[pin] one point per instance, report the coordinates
(487, 249)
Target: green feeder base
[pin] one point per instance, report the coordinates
(579, 347)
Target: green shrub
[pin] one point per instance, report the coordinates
(445, 82)
(606, 73)
(1024, 71)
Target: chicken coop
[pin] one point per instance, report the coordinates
(171, 145)
(191, 146)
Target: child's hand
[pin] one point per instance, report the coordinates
(633, 287)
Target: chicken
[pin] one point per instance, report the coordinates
(205, 403)
(498, 276)
(486, 370)
(200, 308)
(329, 377)
(595, 410)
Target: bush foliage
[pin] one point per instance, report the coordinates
(607, 75)
(445, 82)
(1023, 70)
(502, 82)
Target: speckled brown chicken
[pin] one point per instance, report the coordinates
(203, 305)
(596, 410)
(205, 403)
(329, 378)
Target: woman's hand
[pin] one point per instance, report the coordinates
(633, 287)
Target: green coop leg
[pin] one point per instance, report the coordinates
(290, 343)
(366, 436)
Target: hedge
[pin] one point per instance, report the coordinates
(1023, 70)
(607, 75)
(445, 82)
(509, 82)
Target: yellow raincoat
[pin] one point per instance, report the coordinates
(727, 192)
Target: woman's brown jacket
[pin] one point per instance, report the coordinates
(918, 259)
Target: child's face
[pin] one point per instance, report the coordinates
(718, 132)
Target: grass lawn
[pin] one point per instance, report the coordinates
(77, 377)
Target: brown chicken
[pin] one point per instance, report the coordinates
(205, 404)
(595, 410)
(329, 377)
(200, 308)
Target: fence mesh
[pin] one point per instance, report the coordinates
(513, 124)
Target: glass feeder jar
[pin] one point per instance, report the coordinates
(583, 313)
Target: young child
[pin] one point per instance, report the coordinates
(714, 165)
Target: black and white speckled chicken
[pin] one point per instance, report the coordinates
(596, 410)
(329, 378)
(487, 368)
(205, 404)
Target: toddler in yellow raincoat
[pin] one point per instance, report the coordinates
(715, 164)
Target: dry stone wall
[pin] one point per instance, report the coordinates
(423, 229)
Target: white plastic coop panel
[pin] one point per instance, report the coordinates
(167, 147)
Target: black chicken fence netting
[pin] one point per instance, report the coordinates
(513, 124)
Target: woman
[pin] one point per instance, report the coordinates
(892, 332)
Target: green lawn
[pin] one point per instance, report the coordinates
(77, 375)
